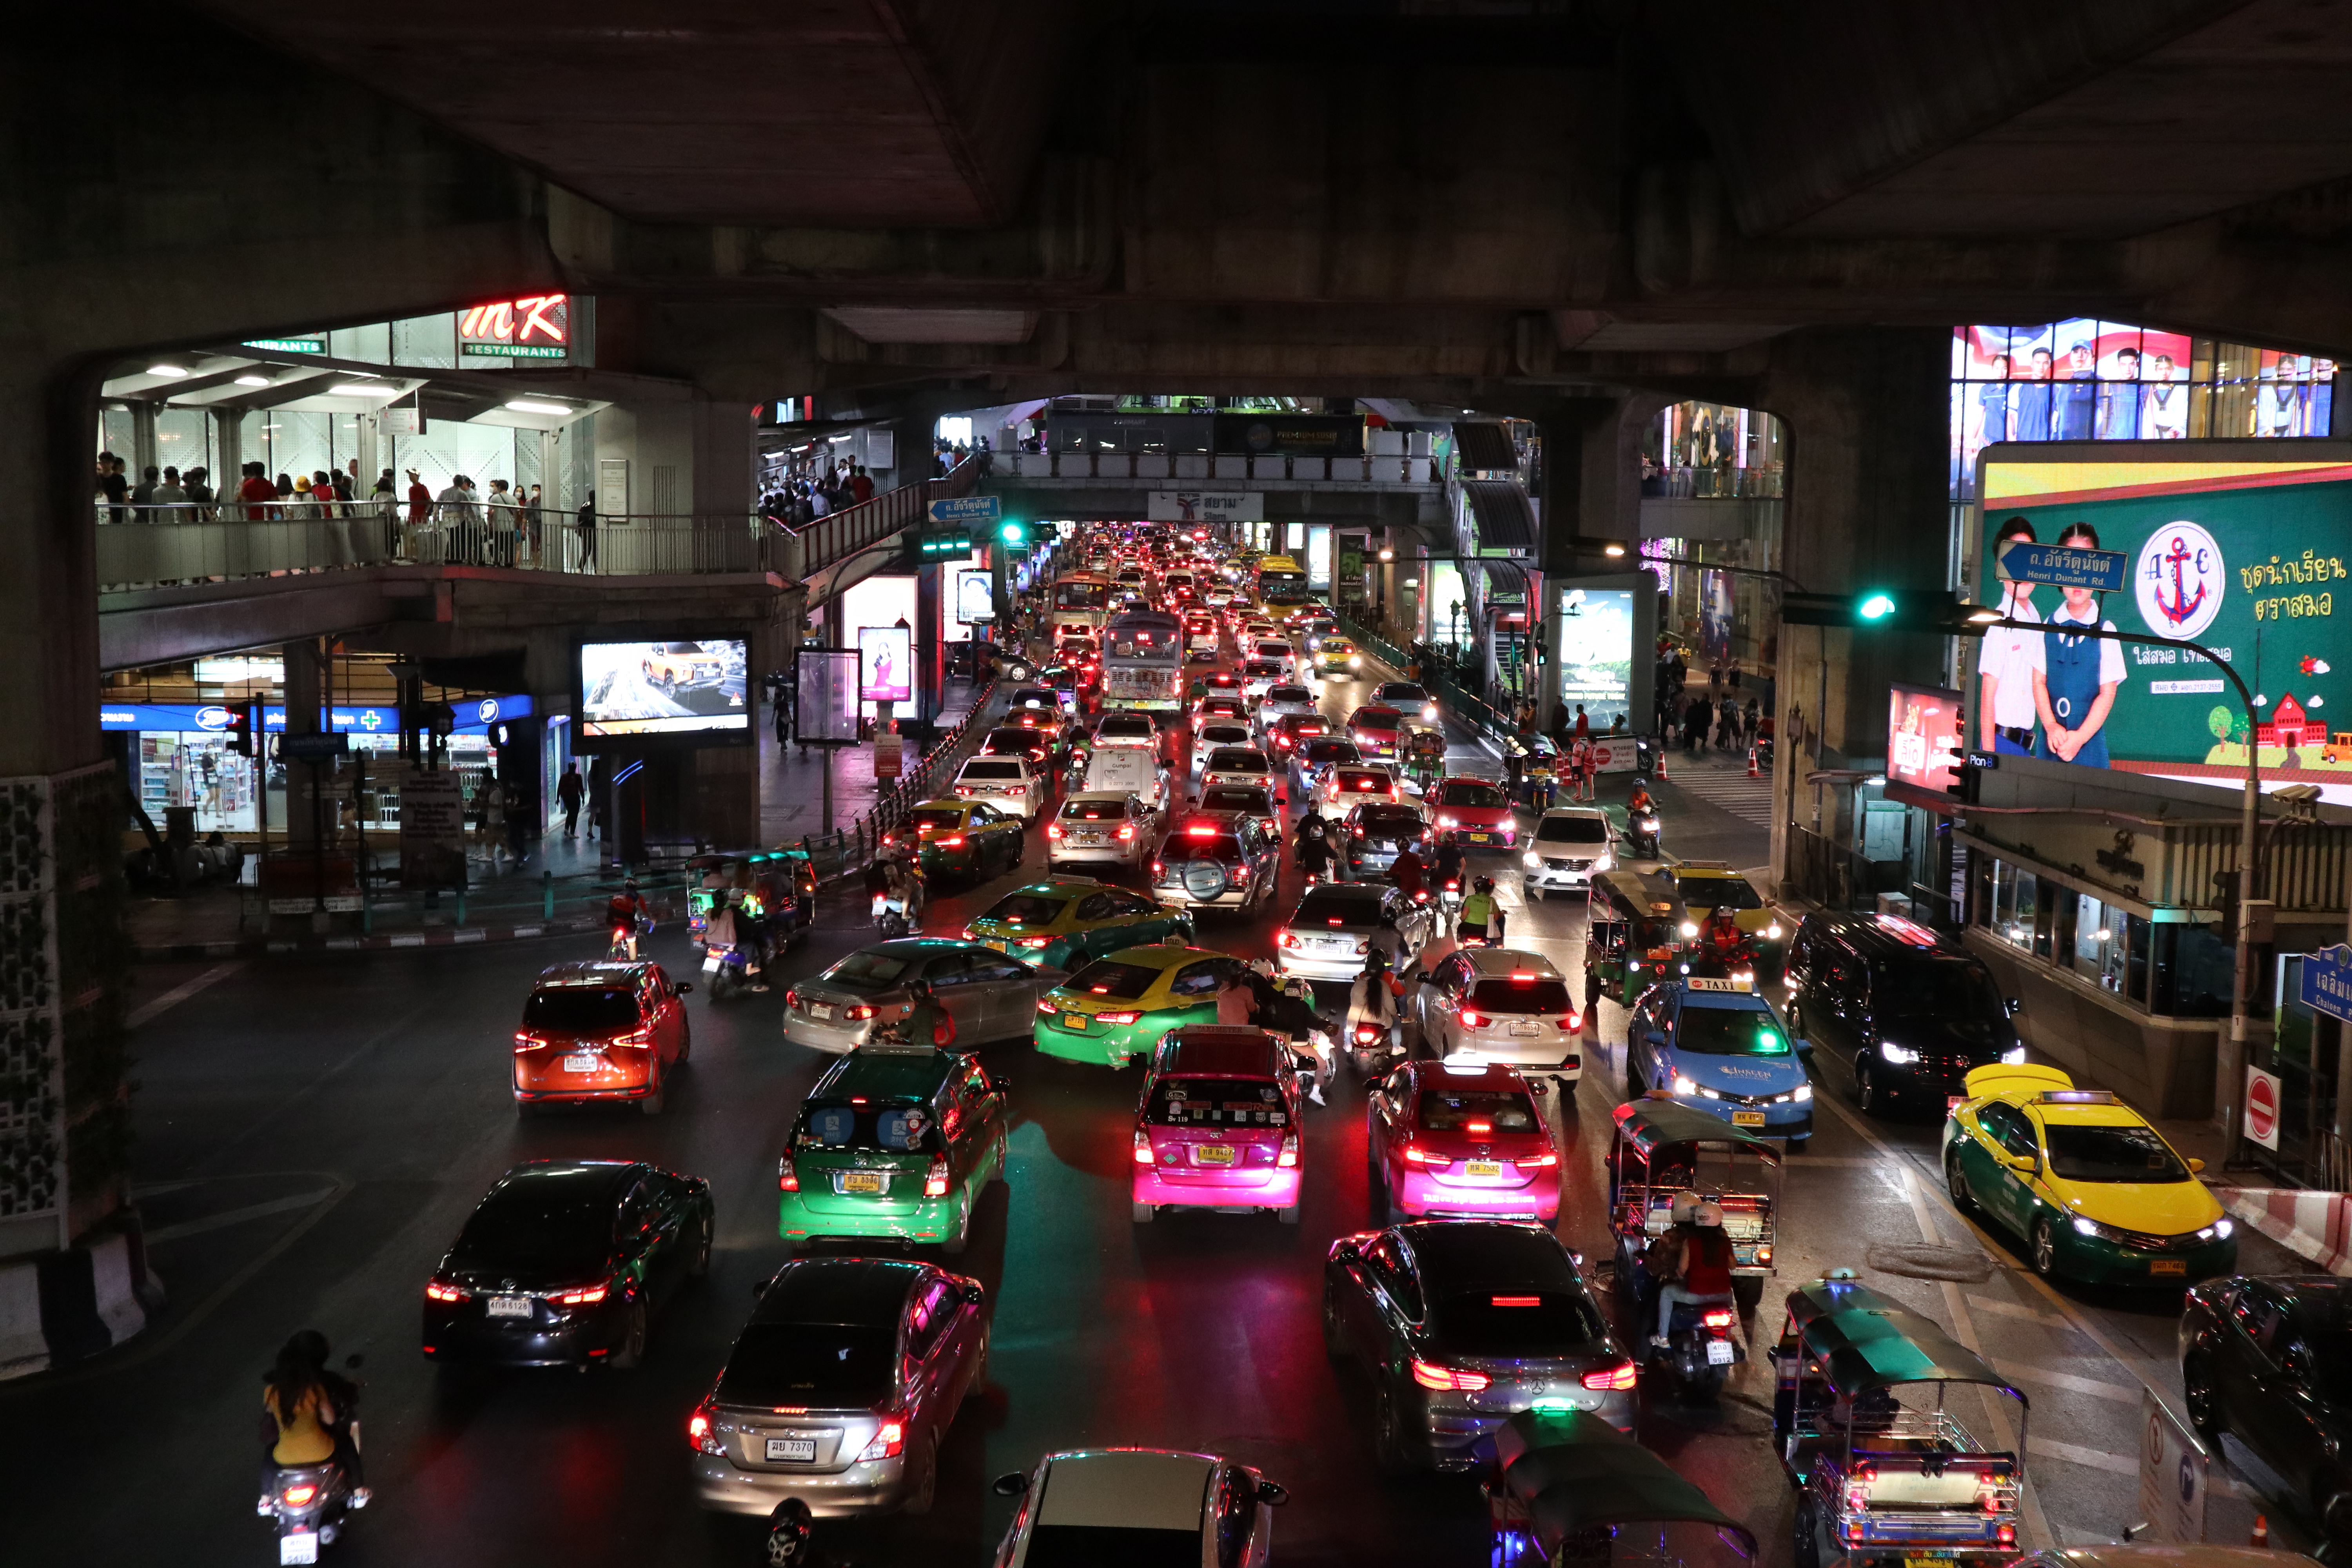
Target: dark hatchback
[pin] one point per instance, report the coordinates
(2270, 1360)
(1377, 834)
(562, 1263)
(1909, 1016)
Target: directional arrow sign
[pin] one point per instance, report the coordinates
(2064, 565)
(968, 509)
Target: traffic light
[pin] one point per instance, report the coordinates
(940, 543)
(1936, 610)
(244, 723)
(1015, 534)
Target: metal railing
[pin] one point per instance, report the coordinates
(1439, 676)
(155, 546)
(848, 848)
(1719, 483)
(1229, 468)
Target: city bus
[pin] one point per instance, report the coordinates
(1280, 582)
(1143, 661)
(1081, 602)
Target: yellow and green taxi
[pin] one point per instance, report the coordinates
(1337, 656)
(1062, 921)
(893, 1144)
(1116, 1008)
(2093, 1190)
(1707, 886)
(964, 838)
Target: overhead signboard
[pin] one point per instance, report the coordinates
(537, 326)
(967, 509)
(303, 343)
(475, 716)
(1205, 506)
(2064, 565)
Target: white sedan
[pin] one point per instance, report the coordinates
(1139, 1506)
(1207, 737)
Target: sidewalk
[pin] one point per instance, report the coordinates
(791, 778)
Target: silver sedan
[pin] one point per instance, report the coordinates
(989, 995)
(1336, 925)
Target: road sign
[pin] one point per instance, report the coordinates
(2327, 984)
(2173, 1469)
(2261, 1107)
(2064, 565)
(967, 509)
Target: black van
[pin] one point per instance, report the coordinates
(1909, 1014)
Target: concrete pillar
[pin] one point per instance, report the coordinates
(364, 482)
(228, 444)
(1868, 416)
(142, 442)
(1588, 489)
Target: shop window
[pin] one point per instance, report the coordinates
(2135, 930)
(2190, 972)
(2050, 902)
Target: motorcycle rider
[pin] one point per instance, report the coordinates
(1449, 860)
(792, 1529)
(1691, 1262)
(926, 1022)
(1313, 850)
(1640, 800)
(1405, 872)
(1287, 1008)
(310, 1417)
(1722, 940)
(1373, 997)
(627, 908)
(731, 929)
(1481, 916)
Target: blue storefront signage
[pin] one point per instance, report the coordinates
(473, 717)
(2326, 986)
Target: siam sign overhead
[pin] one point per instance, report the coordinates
(538, 326)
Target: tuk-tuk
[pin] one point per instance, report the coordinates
(1637, 933)
(1425, 758)
(1569, 1488)
(1663, 1148)
(1887, 1467)
(777, 888)
(1540, 762)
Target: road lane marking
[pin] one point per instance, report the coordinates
(2051, 1448)
(237, 1217)
(181, 992)
(2019, 1311)
(2024, 1372)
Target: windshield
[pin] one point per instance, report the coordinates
(580, 1012)
(1389, 821)
(1718, 892)
(1461, 792)
(811, 1364)
(1730, 1031)
(1547, 997)
(1321, 750)
(1393, 692)
(1477, 1111)
(1100, 1545)
(2134, 1154)
(867, 972)
(1954, 990)
(937, 818)
(1519, 1323)
(1571, 830)
(877, 1129)
(548, 1223)
(979, 768)
(1026, 909)
(1647, 933)
(1113, 982)
(1217, 1102)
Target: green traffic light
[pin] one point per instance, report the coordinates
(1013, 533)
(1875, 607)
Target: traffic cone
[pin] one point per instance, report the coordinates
(1662, 764)
(1753, 771)
(2261, 1536)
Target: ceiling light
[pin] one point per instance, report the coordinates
(253, 381)
(363, 389)
(1612, 550)
(165, 370)
(531, 406)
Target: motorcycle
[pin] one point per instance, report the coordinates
(1369, 1045)
(1699, 1348)
(729, 965)
(627, 935)
(890, 916)
(1713, 961)
(309, 1505)
(1641, 833)
(1449, 900)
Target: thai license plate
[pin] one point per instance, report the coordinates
(509, 1306)
(709, 963)
(802, 1450)
(1213, 1154)
(1482, 838)
(820, 1009)
(1482, 1167)
(1086, 838)
(301, 1546)
(860, 1182)
(1927, 1559)
(2174, 1266)
(996, 942)
(1526, 1027)
(1718, 1353)
(1954, 1101)
(1074, 1020)
(1748, 1119)
(583, 1063)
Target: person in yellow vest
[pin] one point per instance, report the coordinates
(1482, 917)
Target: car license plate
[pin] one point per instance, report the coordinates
(1954, 1101)
(2173, 1266)
(1213, 1154)
(791, 1449)
(1927, 1559)
(509, 1306)
(1482, 837)
(1074, 1020)
(997, 942)
(1086, 838)
(820, 1009)
(301, 1546)
(1718, 1353)
(1484, 1167)
(1526, 1027)
(1748, 1119)
(583, 1063)
(709, 963)
(861, 1181)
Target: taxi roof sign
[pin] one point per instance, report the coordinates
(1713, 982)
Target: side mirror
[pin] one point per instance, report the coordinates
(2196, 1166)
(2026, 1163)
(1345, 1250)
(1653, 1037)
(1009, 1485)
(1274, 1494)
(975, 1296)
(2015, 1004)
(685, 987)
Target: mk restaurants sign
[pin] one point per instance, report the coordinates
(536, 327)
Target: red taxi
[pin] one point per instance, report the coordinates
(595, 1031)
(1292, 728)
(1475, 810)
(1377, 729)
(1460, 1139)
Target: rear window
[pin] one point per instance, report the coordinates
(1289, 694)
(867, 972)
(811, 1364)
(1011, 740)
(1476, 1111)
(1327, 751)
(580, 1012)
(1718, 892)
(1571, 830)
(1505, 1322)
(1230, 797)
(1217, 1102)
(1547, 997)
(937, 817)
(1389, 821)
(1224, 734)
(1094, 811)
(1258, 666)
(1118, 982)
(1399, 693)
(1353, 782)
(982, 768)
(1461, 792)
(1730, 1031)
(1026, 909)
(875, 1129)
(1183, 846)
(1375, 720)
(1324, 905)
(1035, 697)
(540, 1223)
(1272, 649)
(1130, 729)
(1093, 1545)
(1236, 760)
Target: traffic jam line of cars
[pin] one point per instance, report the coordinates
(1463, 1311)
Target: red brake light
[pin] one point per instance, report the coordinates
(1130, 1017)
(935, 1180)
(299, 1494)
(698, 1432)
(1053, 830)
(1571, 1024)
(954, 841)
(586, 1296)
(1142, 1147)
(441, 1291)
(1415, 1154)
(1478, 1126)
(1429, 1374)
(1515, 1300)
(523, 1042)
(1621, 1377)
(1127, 832)
(857, 1012)
(1199, 832)
(787, 1179)
(1474, 1019)
(1289, 1155)
(1537, 1162)
(888, 1442)
(1717, 1318)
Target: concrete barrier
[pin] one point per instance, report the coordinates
(63, 1307)
(2317, 1225)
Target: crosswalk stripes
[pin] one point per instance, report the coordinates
(1734, 791)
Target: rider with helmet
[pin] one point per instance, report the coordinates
(627, 911)
(1691, 1262)
(1640, 800)
(1313, 848)
(1482, 917)
(1448, 862)
(1373, 997)
(926, 1023)
(1723, 940)
(1405, 872)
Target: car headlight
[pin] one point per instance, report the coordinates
(1686, 1085)
(1688, 931)
(2013, 1057)
(1803, 1095)
(1772, 932)
(2218, 1230)
(1429, 714)
(2085, 1226)
(1901, 1056)
(1531, 859)
(1604, 861)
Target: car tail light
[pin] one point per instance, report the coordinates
(585, 1296)
(1286, 937)
(964, 790)
(791, 1000)
(528, 1042)
(1033, 941)
(1127, 832)
(1369, 1034)
(888, 1442)
(1415, 1154)
(1537, 1162)
(636, 1040)
(298, 1495)
(1429, 1374)
(787, 1179)
(1717, 1318)
(1610, 1378)
(857, 1012)
(1570, 1024)
(1474, 1019)
(1046, 1005)
(1128, 1017)
(953, 841)
(2007, 1533)
(442, 1291)
(1363, 945)
(1288, 1158)
(935, 1180)
(698, 1433)
(1143, 1155)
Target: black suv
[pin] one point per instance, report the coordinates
(1908, 1014)
(1216, 859)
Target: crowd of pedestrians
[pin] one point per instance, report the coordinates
(809, 490)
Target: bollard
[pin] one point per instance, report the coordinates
(547, 895)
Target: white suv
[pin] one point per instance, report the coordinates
(1505, 1005)
(1005, 782)
(1569, 848)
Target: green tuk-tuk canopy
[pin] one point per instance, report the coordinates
(1573, 1471)
(1865, 1341)
(1652, 1124)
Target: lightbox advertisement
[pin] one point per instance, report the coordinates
(673, 687)
(1596, 652)
(2234, 545)
(886, 664)
(1923, 737)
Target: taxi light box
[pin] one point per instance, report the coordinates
(673, 687)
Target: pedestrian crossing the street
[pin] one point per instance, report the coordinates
(1729, 788)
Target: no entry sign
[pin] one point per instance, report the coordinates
(2261, 1107)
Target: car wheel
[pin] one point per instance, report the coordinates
(2045, 1247)
(2197, 1394)
(630, 1351)
(1003, 1157)
(926, 1482)
(1389, 1456)
(1142, 1213)
(697, 1257)
(1956, 1182)
(954, 1245)
(1865, 1087)
(1807, 1535)
(1287, 1215)
(652, 1104)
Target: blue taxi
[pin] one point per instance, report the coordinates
(1717, 1047)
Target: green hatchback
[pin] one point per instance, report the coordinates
(1062, 921)
(1116, 1008)
(896, 1144)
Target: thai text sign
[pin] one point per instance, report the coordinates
(2326, 986)
(2063, 566)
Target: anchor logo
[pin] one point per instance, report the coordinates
(2181, 579)
(2183, 602)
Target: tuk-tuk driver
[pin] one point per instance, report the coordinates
(1723, 936)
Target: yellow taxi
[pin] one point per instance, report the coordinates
(1116, 1008)
(1707, 886)
(1062, 921)
(2094, 1192)
(964, 838)
(1338, 656)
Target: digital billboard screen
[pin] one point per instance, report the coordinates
(886, 664)
(1596, 652)
(1923, 737)
(673, 687)
(2236, 545)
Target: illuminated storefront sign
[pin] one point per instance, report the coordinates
(538, 326)
(475, 716)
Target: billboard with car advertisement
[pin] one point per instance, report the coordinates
(2242, 546)
(673, 687)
